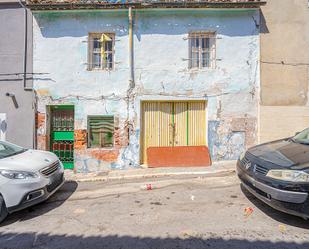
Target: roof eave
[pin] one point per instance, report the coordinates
(158, 5)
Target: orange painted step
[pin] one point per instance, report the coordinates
(178, 156)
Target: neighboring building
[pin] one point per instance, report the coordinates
(17, 108)
(284, 106)
(179, 73)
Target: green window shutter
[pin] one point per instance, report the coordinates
(100, 131)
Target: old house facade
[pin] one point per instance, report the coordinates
(126, 77)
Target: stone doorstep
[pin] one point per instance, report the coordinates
(217, 169)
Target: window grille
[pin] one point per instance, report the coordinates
(100, 131)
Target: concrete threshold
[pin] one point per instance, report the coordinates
(217, 169)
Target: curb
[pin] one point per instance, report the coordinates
(218, 173)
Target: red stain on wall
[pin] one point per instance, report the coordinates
(178, 156)
(41, 138)
(121, 138)
(40, 120)
(104, 154)
(41, 142)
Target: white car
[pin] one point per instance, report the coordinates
(27, 177)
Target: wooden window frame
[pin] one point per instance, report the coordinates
(212, 49)
(89, 133)
(91, 37)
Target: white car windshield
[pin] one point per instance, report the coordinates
(302, 137)
(8, 149)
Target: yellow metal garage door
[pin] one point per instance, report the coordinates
(172, 124)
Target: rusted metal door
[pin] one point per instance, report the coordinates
(180, 123)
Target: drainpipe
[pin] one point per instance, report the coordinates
(25, 45)
(131, 68)
(131, 57)
(130, 99)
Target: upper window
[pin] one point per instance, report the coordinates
(202, 50)
(101, 51)
(100, 131)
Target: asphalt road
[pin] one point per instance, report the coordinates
(177, 213)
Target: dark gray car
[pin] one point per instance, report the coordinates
(278, 173)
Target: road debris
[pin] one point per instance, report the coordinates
(148, 187)
(157, 203)
(248, 211)
(79, 211)
(282, 228)
(192, 197)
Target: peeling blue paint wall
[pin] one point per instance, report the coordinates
(161, 71)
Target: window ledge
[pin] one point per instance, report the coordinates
(101, 70)
(200, 70)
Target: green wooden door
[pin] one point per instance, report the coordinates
(62, 134)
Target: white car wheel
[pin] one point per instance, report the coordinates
(3, 210)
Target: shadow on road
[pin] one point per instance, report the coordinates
(274, 214)
(54, 202)
(32, 240)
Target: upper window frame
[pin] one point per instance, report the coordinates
(91, 37)
(212, 35)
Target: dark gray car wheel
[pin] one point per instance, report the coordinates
(3, 210)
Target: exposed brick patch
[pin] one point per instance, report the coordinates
(80, 139)
(40, 122)
(105, 155)
(121, 137)
(249, 126)
(117, 137)
(101, 154)
(95, 160)
(41, 142)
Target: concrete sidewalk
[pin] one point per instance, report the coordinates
(217, 169)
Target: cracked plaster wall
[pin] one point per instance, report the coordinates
(161, 73)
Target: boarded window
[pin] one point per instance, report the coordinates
(101, 51)
(100, 131)
(202, 50)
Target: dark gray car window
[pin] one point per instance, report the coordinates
(8, 149)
